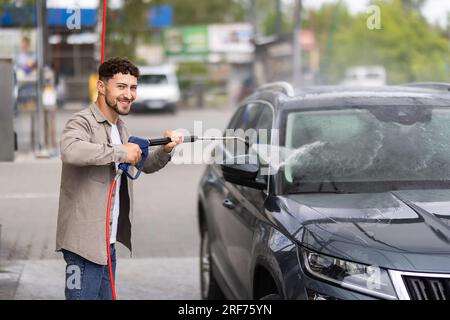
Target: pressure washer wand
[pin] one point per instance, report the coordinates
(144, 144)
(188, 139)
(222, 139)
(164, 141)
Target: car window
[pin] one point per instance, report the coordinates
(249, 117)
(264, 125)
(264, 131)
(229, 145)
(235, 120)
(245, 120)
(153, 79)
(386, 146)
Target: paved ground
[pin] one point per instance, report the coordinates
(143, 279)
(165, 260)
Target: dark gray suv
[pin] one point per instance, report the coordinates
(339, 193)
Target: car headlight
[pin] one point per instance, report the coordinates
(366, 279)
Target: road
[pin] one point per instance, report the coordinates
(165, 231)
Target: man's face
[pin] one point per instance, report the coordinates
(25, 45)
(120, 92)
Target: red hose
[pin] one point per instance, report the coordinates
(104, 30)
(108, 239)
(113, 185)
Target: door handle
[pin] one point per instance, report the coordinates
(227, 203)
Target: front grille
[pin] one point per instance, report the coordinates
(427, 288)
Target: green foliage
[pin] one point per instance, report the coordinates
(413, 4)
(187, 12)
(193, 69)
(407, 46)
(270, 24)
(189, 71)
(124, 28)
(127, 27)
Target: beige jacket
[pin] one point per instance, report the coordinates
(87, 172)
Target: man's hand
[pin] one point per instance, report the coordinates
(133, 153)
(176, 138)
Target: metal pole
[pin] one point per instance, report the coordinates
(325, 62)
(98, 30)
(278, 19)
(254, 17)
(448, 31)
(448, 26)
(296, 49)
(254, 21)
(41, 9)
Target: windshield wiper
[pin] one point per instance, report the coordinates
(321, 192)
(333, 184)
(336, 190)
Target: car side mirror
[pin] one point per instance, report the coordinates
(243, 175)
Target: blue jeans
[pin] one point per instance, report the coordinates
(86, 280)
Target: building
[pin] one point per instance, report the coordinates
(73, 48)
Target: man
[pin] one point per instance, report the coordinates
(26, 75)
(93, 143)
(26, 59)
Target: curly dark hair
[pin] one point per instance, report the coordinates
(116, 65)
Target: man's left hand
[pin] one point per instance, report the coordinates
(176, 138)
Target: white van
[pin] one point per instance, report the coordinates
(365, 76)
(157, 89)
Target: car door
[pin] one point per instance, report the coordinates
(215, 194)
(239, 208)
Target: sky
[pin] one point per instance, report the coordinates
(434, 10)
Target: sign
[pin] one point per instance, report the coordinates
(71, 4)
(60, 17)
(13, 16)
(59, 12)
(56, 17)
(231, 38)
(231, 43)
(307, 40)
(160, 17)
(186, 43)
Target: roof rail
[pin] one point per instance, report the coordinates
(281, 86)
(437, 85)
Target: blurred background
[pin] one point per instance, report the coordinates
(198, 59)
(214, 53)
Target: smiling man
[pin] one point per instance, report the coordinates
(93, 143)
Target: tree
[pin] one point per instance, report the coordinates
(127, 27)
(328, 23)
(205, 11)
(124, 27)
(413, 4)
(407, 46)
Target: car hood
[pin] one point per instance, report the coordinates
(404, 230)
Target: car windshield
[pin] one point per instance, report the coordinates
(366, 149)
(153, 79)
